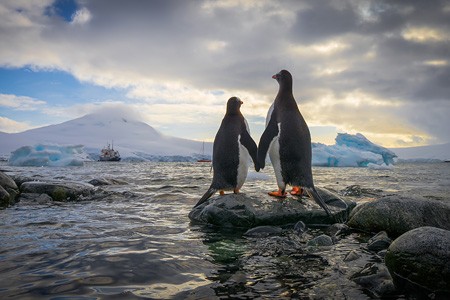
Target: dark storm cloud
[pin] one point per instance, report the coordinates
(385, 51)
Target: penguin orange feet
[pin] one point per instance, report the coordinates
(222, 193)
(236, 191)
(297, 191)
(280, 193)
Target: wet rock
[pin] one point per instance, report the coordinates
(4, 197)
(8, 190)
(7, 182)
(321, 240)
(106, 181)
(375, 278)
(379, 242)
(240, 210)
(398, 214)
(358, 191)
(338, 229)
(419, 262)
(353, 190)
(300, 228)
(382, 253)
(275, 246)
(59, 190)
(263, 231)
(27, 198)
(351, 256)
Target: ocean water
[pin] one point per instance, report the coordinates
(135, 240)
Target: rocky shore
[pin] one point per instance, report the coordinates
(403, 243)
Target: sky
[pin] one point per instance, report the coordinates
(380, 68)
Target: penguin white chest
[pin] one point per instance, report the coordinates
(244, 163)
(274, 154)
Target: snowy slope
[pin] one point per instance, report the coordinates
(131, 137)
(440, 152)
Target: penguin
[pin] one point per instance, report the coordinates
(232, 149)
(288, 141)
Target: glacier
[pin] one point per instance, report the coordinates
(348, 151)
(48, 155)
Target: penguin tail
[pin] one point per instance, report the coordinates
(206, 196)
(312, 192)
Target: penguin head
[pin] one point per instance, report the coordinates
(284, 78)
(234, 105)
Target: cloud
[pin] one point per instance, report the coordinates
(20, 102)
(81, 16)
(366, 63)
(11, 126)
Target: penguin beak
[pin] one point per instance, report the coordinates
(275, 76)
(240, 101)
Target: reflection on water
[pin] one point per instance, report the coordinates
(138, 242)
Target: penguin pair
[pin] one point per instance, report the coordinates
(286, 138)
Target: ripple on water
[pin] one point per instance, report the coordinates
(137, 240)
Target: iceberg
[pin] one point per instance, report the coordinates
(48, 155)
(352, 151)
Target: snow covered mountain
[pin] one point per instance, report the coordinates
(132, 138)
(424, 153)
(136, 140)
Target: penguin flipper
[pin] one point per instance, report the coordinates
(249, 143)
(206, 196)
(312, 192)
(267, 137)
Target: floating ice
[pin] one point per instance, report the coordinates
(351, 151)
(48, 155)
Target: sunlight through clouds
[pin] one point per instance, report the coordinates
(356, 64)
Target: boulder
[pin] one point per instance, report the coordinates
(59, 190)
(8, 190)
(241, 210)
(4, 197)
(7, 182)
(398, 214)
(419, 262)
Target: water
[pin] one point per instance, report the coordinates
(136, 241)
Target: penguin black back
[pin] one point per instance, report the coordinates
(230, 165)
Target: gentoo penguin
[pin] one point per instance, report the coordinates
(288, 141)
(232, 149)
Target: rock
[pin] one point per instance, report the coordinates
(398, 214)
(353, 190)
(26, 198)
(321, 240)
(419, 261)
(375, 278)
(8, 190)
(379, 242)
(7, 182)
(338, 229)
(263, 231)
(4, 197)
(351, 256)
(106, 181)
(58, 190)
(300, 228)
(240, 210)
(275, 246)
(358, 191)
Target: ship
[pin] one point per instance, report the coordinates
(204, 157)
(109, 154)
